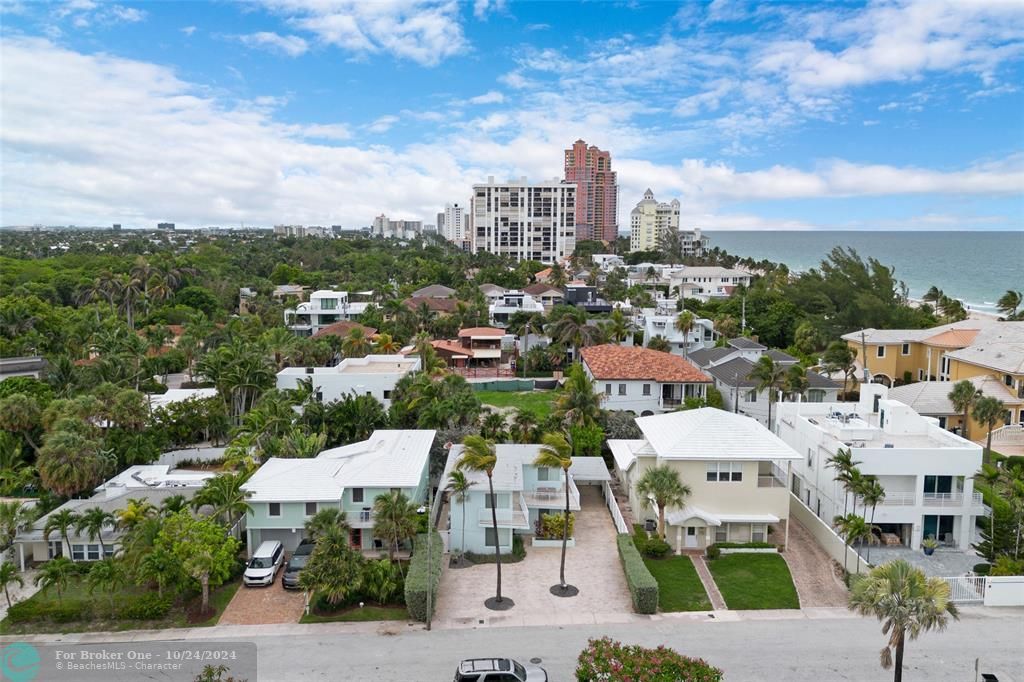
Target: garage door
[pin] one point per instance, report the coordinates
(286, 537)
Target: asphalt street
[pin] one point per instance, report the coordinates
(792, 650)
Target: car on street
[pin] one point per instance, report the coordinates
(297, 562)
(498, 670)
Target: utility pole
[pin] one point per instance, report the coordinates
(430, 565)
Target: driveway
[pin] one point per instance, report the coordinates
(263, 605)
(811, 567)
(592, 565)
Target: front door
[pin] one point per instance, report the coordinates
(691, 537)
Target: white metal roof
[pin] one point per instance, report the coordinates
(710, 433)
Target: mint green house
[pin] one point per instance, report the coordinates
(284, 493)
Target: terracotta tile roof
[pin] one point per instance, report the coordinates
(437, 305)
(954, 338)
(481, 331)
(619, 362)
(343, 328)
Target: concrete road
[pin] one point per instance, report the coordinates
(790, 650)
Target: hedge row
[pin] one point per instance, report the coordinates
(420, 576)
(643, 588)
(148, 606)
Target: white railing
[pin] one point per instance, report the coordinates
(899, 499)
(1010, 434)
(613, 508)
(966, 589)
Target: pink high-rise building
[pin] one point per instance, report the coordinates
(597, 194)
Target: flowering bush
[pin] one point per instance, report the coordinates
(606, 659)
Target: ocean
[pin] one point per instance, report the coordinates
(976, 267)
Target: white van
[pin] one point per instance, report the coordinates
(262, 568)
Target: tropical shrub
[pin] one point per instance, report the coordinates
(551, 526)
(423, 576)
(606, 659)
(643, 588)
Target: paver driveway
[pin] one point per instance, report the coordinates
(592, 565)
(262, 605)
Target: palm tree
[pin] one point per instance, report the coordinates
(851, 528)
(480, 454)
(768, 376)
(842, 462)
(9, 576)
(662, 486)
(56, 573)
(225, 494)
(684, 325)
(988, 411)
(906, 602)
(556, 453)
(62, 520)
(963, 396)
(458, 486)
(1009, 302)
(394, 519)
(92, 521)
(324, 521)
(579, 402)
(873, 494)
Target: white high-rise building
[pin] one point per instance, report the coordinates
(650, 220)
(527, 221)
(453, 224)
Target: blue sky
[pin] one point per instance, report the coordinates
(884, 115)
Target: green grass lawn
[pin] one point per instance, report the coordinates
(679, 586)
(754, 581)
(358, 615)
(537, 402)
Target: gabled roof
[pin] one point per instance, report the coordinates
(743, 343)
(710, 433)
(610, 361)
(434, 291)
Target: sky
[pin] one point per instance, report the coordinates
(889, 115)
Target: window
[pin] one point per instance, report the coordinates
(880, 352)
(543, 474)
(274, 509)
(607, 389)
(622, 389)
(357, 494)
(758, 532)
(725, 471)
(647, 389)
(490, 537)
(721, 534)
(905, 349)
(311, 509)
(78, 552)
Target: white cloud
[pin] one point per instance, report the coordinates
(293, 46)
(492, 97)
(424, 31)
(188, 30)
(382, 124)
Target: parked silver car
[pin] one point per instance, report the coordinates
(498, 670)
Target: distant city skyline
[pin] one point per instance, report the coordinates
(890, 115)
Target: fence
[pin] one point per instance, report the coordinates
(826, 538)
(613, 508)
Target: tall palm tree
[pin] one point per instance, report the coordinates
(394, 519)
(92, 522)
(325, 521)
(852, 528)
(872, 493)
(480, 454)
(988, 411)
(906, 602)
(556, 453)
(61, 521)
(1009, 302)
(768, 375)
(662, 486)
(963, 396)
(684, 325)
(9, 576)
(458, 487)
(225, 494)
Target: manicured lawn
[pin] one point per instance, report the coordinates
(679, 586)
(754, 581)
(357, 615)
(537, 402)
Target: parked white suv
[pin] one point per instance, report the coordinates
(262, 568)
(498, 670)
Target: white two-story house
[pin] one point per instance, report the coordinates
(323, 308)
(734, 466)
(926, 471)
(374, 375)
(641, 380)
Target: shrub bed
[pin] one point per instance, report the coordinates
(422, 576)
(605, 659)
(643, 588)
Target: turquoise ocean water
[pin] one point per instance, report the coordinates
(976, 267)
